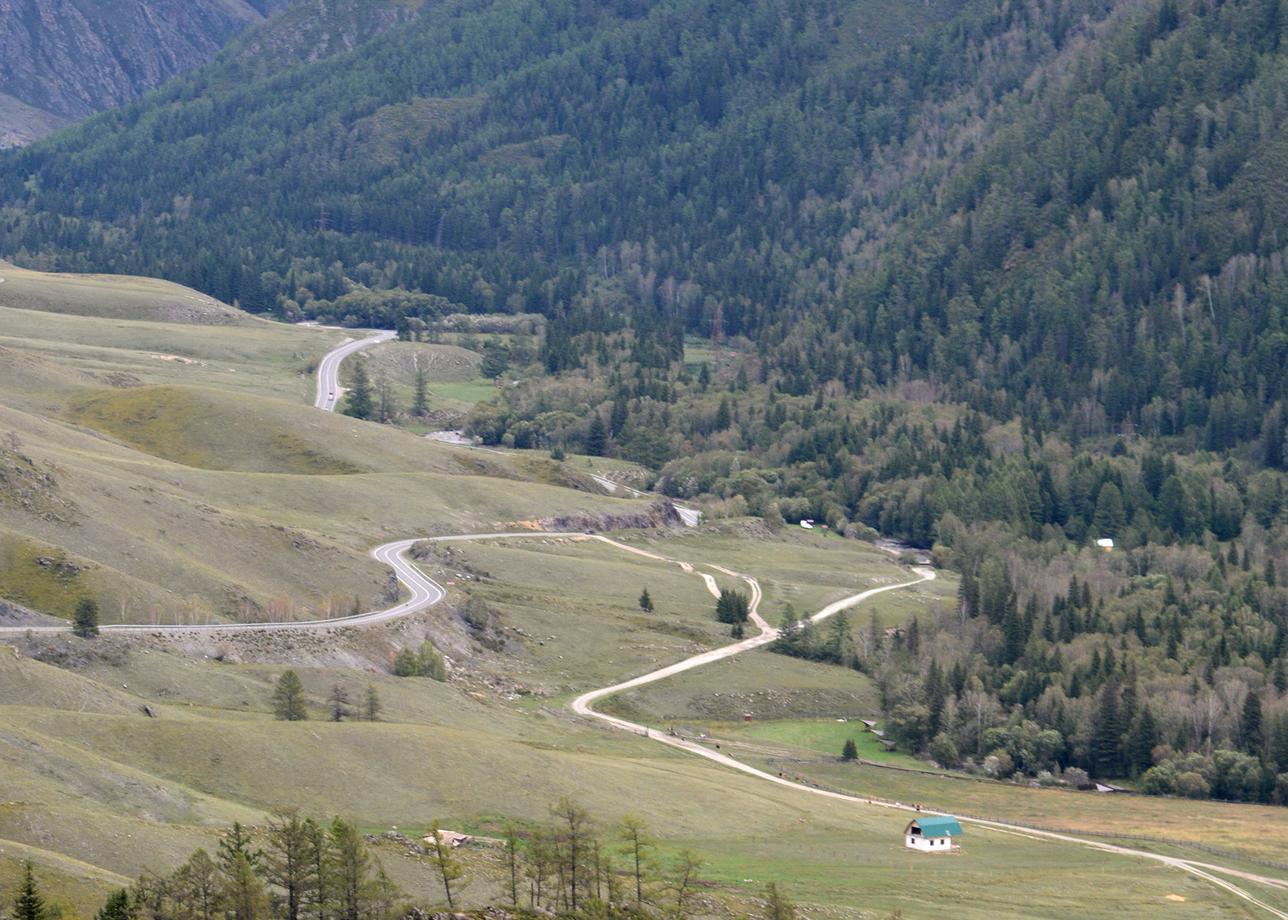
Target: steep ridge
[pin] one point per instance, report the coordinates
(62, 60)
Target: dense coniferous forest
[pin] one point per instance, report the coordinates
(995, 277)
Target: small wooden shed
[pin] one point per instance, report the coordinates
(932, 834)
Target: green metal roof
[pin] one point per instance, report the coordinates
(939, 826)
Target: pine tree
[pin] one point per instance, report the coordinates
(1141, 742)
(850, 750)
(1251, 736)
(288, 698)
(420, 391)
(358, 399)
(85, 620)
(117, 907)
(646, 602)
(28, 903)
(596, 437)
(1109, 518)
(1106, 742)
(1013, 636)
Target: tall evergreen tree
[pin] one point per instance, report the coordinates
(1251, 736)
(117, 907)
(286, 860)
(288, 698)
(596, 437)
(420, 390)
(1106, 741)
(28, 903)
(358, 402)
(85, 620)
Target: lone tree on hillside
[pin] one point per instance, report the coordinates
(371, 704)
(339, 700)
(420, 391)
(358, 401)
(288, 698)
(850, 750)
(386, 408)
(646, 602)
(28, 903)
(85, 620)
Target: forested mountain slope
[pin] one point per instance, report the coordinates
(61, 60)
(994, 276)
(1063, 206)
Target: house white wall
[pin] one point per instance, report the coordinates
(929, 844)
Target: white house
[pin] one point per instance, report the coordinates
(932, 834)
(1106, 543)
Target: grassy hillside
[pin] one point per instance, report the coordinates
(179, 472)
(212, 753)
(113, 297)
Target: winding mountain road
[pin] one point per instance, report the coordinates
(425, 593)
(328, 392)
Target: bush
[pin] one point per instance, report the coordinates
(999, 764)
(1192, 785)
(943, 752)
(1076, 777)
(425, 662)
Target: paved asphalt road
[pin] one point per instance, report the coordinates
(425, 592)
(328, 394)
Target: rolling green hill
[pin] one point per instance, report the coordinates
(176, 469)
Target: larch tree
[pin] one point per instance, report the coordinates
(339, 702)
(286, 860)
(637, 847)
(684, 877)
(777, 907)
(348, 867)
(442, 859)
(512, 862)
(288, 698)
(371, 705)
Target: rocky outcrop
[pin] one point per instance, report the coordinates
(71, 58)
(659, 514)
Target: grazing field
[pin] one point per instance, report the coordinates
(213, 754)
(175, 472)
(113, 297)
